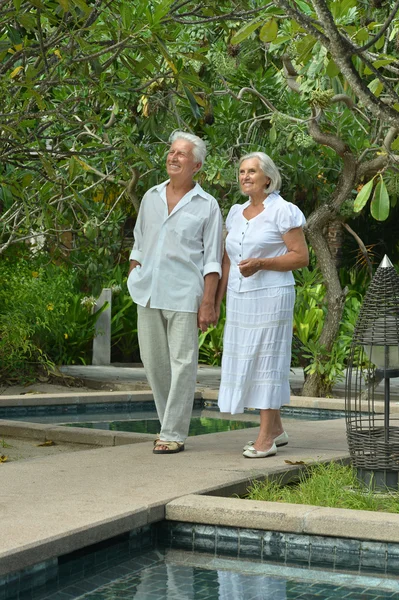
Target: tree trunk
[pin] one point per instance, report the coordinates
(314, 384)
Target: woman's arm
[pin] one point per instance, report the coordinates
(220, 293)
(296, 257)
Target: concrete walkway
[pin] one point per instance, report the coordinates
(52, 506)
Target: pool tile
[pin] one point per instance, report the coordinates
(250, 544)
(227, 541)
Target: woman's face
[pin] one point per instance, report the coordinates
(253, 181)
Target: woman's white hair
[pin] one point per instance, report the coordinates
(199, 150)
(268, 168)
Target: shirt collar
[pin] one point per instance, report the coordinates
(195, 191)
(271, 196)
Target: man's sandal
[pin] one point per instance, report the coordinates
(171, 447)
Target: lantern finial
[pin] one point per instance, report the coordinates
(385, 263)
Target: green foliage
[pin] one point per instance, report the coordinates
(309, 315)
(210, 342)
(124, 341)
(43, 319)
(332, 484)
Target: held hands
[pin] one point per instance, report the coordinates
(206, 316)
(249, 266)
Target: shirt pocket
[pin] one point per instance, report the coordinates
(189, 227)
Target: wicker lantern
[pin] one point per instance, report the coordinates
(372, 432)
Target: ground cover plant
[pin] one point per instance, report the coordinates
(332, 485)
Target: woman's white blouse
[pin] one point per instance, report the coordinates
(260, 237)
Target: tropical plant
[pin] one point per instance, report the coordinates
(210, 342)
(44, 321)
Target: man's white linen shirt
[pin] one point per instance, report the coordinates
(260, 237)
(175, 250)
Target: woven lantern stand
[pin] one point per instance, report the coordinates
(372, 432)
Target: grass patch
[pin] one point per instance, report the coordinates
(333, 485)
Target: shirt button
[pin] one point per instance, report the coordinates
(239, 255)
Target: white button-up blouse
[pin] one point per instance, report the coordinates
(260, 237)
(175, 250)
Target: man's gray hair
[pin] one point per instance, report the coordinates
(199, 150)
(268, 168)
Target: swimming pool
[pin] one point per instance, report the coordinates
(137, 568)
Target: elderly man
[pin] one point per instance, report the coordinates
(175, 267)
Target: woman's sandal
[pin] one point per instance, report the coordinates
(172, 447)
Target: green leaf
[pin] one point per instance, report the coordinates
(332, 70)
(193, 79)
(280, 39)
(166, 55)
(380, 42)
(363, 196)
(193, 102)
(304, 7)
(27, 21)
(379, 206)
(395, 144)
(243, 33)
(272, 134)
(347, 4)
(83, 6)
(384, 61)
(161, 10)
(269, 31)
(376, 87)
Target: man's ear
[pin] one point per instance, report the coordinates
(197, 167)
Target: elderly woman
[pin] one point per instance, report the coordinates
(264, 244)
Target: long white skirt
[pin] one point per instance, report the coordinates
(257, 349)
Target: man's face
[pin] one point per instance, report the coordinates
(180, 161)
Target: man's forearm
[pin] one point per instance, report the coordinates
(210, 286)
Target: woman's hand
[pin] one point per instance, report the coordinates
(249, 266)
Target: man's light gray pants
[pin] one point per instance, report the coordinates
(169, 351)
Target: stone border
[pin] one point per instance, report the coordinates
(281, 517)
(101, 397)
(73, 435)
(83, 398)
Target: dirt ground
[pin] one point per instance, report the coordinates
(72, 388)
(13, 449)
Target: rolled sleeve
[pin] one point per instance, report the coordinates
(136, 255)
(212, 267)
(213, 235)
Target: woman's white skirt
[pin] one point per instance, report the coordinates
(257, 349)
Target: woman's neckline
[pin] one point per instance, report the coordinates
(259, 213)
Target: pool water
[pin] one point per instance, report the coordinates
(166, 574)
(198, 425)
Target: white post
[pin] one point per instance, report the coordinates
(102, 338)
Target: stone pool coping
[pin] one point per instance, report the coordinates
(101, 397)
(289, 518)
(75, 435)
